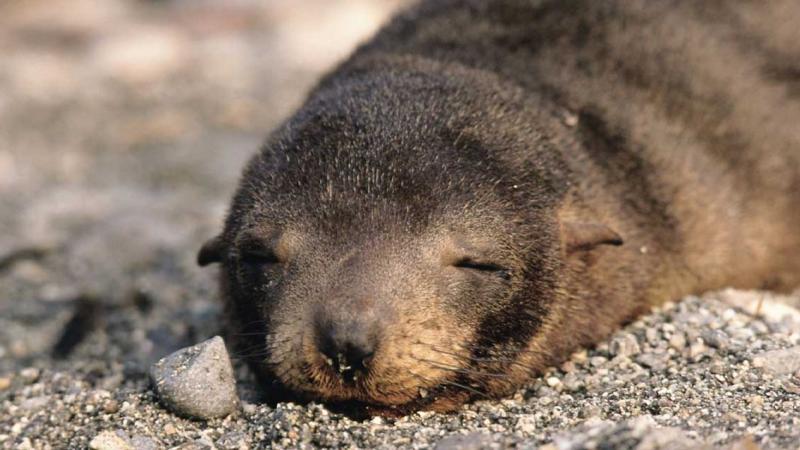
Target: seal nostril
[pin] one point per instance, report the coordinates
(348, 355)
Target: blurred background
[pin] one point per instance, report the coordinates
(124, 125)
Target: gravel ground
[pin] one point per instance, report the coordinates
(123, 127)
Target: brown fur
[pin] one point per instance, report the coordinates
(460, 188)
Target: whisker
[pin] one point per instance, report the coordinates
(462, 369)
(496, 359)
(450, 383)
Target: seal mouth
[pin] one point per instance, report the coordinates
(442, 398)
(384, 393)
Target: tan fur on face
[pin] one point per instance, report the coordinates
(417, 353)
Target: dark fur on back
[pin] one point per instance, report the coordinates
(529, 139)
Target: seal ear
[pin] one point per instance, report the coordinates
(211, 252)
(583, 236)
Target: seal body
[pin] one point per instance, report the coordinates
(488, 185)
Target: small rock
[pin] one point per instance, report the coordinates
(697, 350)
(745, 443)
(194, 445)
(471, 441)
(678, 341)
(580, 357)
(235, 440)
(110, 406)
(5, 383)
(791, 387)
(757, 403)
(625, 345)
(597, 361)
(526, 423)
(652, 335)
(591, 410)
(716, 338)
(249, 409)
(33, 404)
(29, 374)
(553, 381)
(140, 442)
(111, 440)
(718, 367)
(197, 381)
(652, 360)
(572, 382)
(779, 362)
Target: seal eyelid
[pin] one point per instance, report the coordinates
(258, 257)
(472, 264)
(256, 252)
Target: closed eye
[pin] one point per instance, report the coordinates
(259, 258)
(471, 264)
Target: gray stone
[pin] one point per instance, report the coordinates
(471, 441)
(140, 442)
(197, 381)
(678, 341)
(779, 362)
(625, 345)
(111, 440)
(640, 433)
(716, 338)
(194, 445)
(235, 440)
(654, 361)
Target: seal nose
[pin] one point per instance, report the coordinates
(348, 348)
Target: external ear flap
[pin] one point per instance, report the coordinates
(211, 252)
(582, 236)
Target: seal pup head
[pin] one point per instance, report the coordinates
(396, 242)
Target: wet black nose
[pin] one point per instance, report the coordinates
(348, 348)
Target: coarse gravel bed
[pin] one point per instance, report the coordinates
(697, 372)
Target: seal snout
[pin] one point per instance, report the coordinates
(348, 346)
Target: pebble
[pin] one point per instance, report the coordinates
(597, 361)
(716, 338)
(624, 345)
(111, 440)
(29, 374)
(779, 362)
(235, 440)
(678, 341)
(197, 381)
(652, 335)
(140, 442)
(697, 350)
(194, 445)
(757, 403)
(471, 441)
(169, 429)
(33, 404)
(654, 361)
(526, 423)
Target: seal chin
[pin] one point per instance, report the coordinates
(328, 383)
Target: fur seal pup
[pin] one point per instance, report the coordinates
(489, 184)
